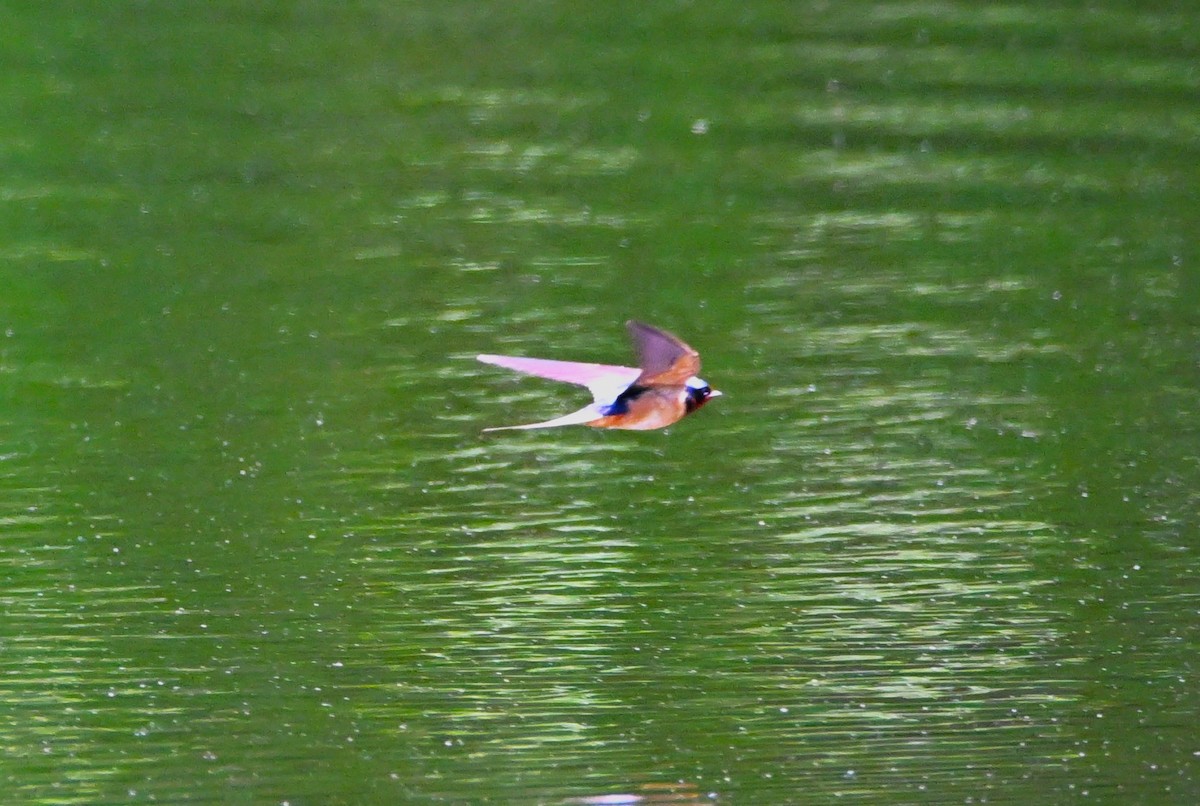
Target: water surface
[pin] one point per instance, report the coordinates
(935, 544)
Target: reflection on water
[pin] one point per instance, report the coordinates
(651, 793)
(853, 572)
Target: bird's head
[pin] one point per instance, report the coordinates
(698, 393)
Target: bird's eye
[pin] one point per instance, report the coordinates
(696, 397)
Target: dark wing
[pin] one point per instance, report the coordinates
(663, 358)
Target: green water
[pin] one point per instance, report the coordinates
(936, 544)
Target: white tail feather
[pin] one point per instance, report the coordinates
(584, 415)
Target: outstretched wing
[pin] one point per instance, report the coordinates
(604, 381)
(664, 358)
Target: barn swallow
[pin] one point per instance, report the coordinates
(661, 391)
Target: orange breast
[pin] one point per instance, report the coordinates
(656, 408)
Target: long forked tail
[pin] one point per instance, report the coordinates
(584, 415)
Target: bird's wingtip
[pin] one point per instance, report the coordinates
(489, 358)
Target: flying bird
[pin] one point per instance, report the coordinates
(661, 390)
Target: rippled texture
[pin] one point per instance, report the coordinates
(935, 544)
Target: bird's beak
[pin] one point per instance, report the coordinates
(715, 393)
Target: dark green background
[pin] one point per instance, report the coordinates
(937, 543)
